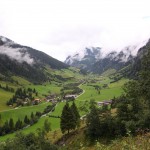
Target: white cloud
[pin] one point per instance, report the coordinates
(61, 27)
(14, 53)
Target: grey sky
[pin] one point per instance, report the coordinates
(62, 27)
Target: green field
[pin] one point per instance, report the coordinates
(89, 92)
(58, 109)
(22, 81)
(55, 124)
(105, 94)
(46, 89)
(113, 90)
(22, 111)
(4, 97)
(68, 73)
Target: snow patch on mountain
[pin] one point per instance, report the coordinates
(87, 53)
(124, 54)
(97, 59)
(131, 51)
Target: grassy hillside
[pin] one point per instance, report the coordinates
(57, 80)
(54, 127)
(19, 113)
(4, 97)
(44, 89)
(108, 72)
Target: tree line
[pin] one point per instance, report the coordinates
(9, 126)
(7, 88)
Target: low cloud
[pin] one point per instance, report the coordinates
(16, 54)
(60, 28)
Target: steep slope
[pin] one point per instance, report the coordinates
(136, 66)
(24, 61)
(132, 68)
(114, 60)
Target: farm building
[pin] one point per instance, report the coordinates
(105, 102)
(70, 97)
(36, 101)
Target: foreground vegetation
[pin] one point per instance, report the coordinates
(77, 141)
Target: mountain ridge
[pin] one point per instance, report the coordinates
(25, 61)
(101, 61)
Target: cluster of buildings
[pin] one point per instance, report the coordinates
(105, 102)
(54, 99)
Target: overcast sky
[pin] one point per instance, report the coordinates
(62, 27)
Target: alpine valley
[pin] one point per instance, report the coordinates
(92, 100)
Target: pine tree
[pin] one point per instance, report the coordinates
(67, 121)
(6, 127)
(32, 115)
(11, 124)
(26, 120)
(18, 124)
(33, 119)
(93, 123)
(34, 91)
(76, 114)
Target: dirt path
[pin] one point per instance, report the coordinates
(83, 91)
(80, 94)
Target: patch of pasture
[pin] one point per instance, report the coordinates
(22, 111)
(4, 97)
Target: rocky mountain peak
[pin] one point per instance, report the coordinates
(94, 59)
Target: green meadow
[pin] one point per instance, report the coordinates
(4, 97)
(113, 90)
(89, 92)
(20, 113)
(55, 125)
(46, 89)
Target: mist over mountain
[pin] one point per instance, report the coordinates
(96, 60)
(19, 60)
(84, 59)
(19, 54)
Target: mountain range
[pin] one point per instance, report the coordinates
(36, 66)
(96, 61)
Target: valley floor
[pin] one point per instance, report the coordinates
(88, 92)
